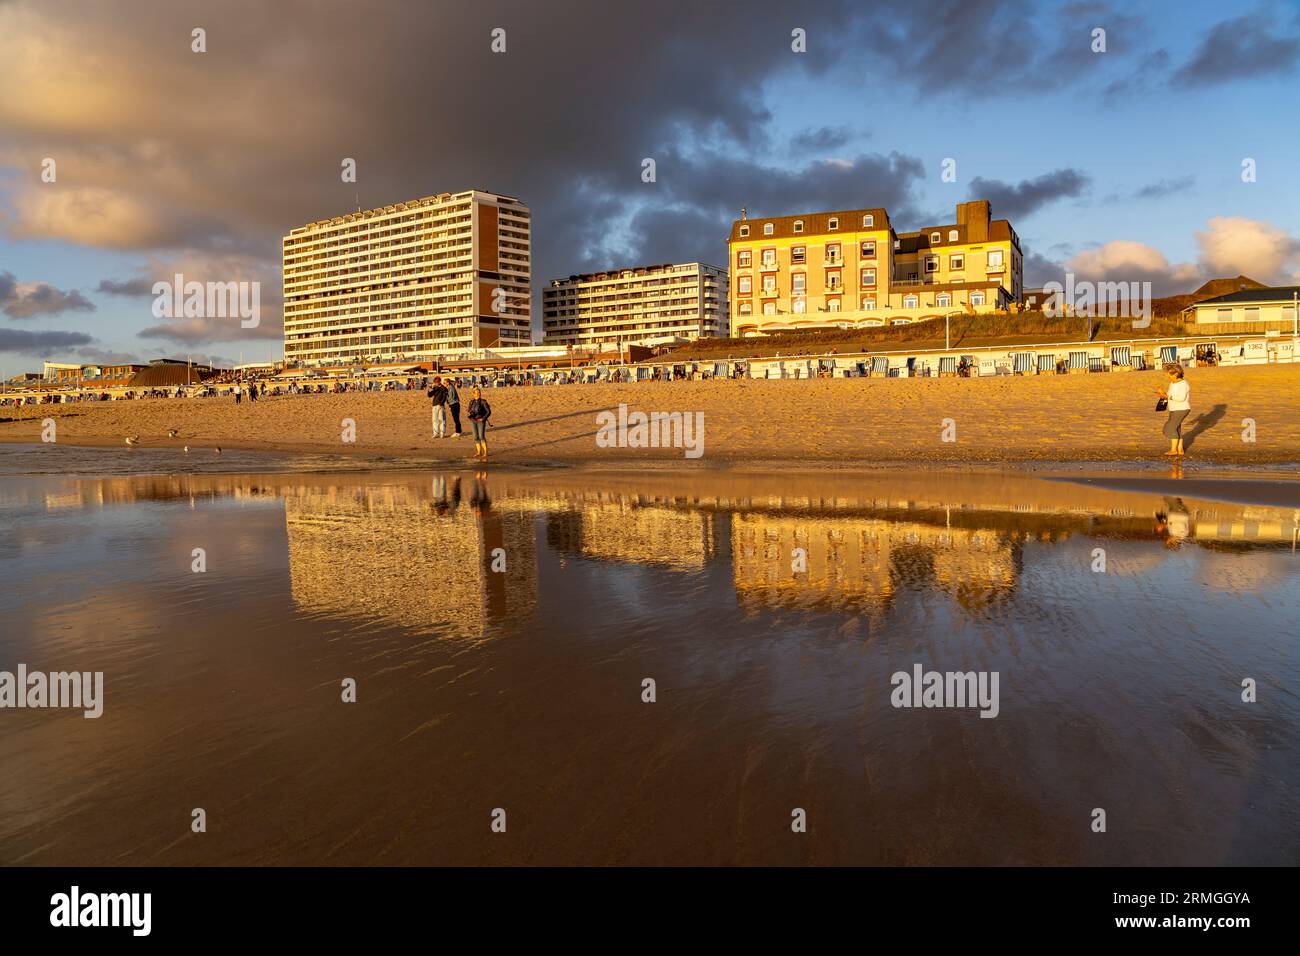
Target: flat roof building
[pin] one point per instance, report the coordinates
(645, 305)
(409, 281)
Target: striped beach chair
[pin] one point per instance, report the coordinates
(948, 366)
(1120, 355)
(880, 365)
(1169, 355)
(1023, 363)
(1078, 361)
(1046, 362)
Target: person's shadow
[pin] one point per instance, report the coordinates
(1205, 422)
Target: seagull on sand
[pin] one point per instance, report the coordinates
(217, 450)
(133, 439)
(171, 433)
(187, 449)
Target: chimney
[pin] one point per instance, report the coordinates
(974, 215)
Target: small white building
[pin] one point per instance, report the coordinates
(1275, 306)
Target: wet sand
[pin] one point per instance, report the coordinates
(1044, 419)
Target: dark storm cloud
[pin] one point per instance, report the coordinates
(1253, 45)
(128, 287)
(34, 300)
(1012, 201)
(41, 344)
(1040, 270)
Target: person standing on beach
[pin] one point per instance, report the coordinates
(479, 413)
(453, 404)
(239, 394)
(1179, 396)
(438, 395)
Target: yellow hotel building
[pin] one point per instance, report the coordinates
(851, 269)
(442, 274)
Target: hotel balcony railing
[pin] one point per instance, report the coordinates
(769, 293)
(913, 280)
(768, 267)
(833, 261)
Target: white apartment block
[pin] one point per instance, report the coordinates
(646, 305)
(412, 280)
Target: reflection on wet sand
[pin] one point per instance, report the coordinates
(414, 554)
(771, 609)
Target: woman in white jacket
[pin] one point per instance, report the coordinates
(1179, 394)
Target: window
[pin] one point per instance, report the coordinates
(832, 252)
(768, 228)
(769, 283)
(769, 308)
(1252, 313)
(798, 225)
(944, 299)
(868, 302)
(832, 305)
(798, 282)
(746, 308)
(910, 301)
(798, 254)
(898, 243)
(868, 221)
(746, 285)
(769, 257)
(868, 276)
(744, 230)
(869, 249)
(956, 263)
(744, 259)
(800, 306)
(931, 264)
(977, 298)
(952, 235)
(834, 223)
(935, 237)
(995, 258)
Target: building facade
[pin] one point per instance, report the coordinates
(412, 280)
(1274, 308)
(852, 269)
(646, 305)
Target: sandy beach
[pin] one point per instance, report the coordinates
(1083, 418)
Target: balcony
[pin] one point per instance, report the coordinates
(769, 293)
(768, 267)
(833, 261)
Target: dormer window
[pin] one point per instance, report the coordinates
(952, 235)
(744, 230)
(935, 237)
(768, 228)
(798, 225)
(834, 223)
(868, 221)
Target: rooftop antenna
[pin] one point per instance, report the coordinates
(744, 213)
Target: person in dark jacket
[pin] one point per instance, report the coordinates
(438, 396)
(479, 413)
(453, 406)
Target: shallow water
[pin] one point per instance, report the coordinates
(521, 688)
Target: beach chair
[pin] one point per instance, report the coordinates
(1121, 358)
(880, 365)
(1168, 355)
(1097, 364)
(1078, 363)
(947, 366)
(1022, 363)
(1046, 363)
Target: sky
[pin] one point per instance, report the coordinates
(1124, 163)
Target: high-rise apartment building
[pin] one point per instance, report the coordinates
(851, 269)
(646, 305)
(409, 281)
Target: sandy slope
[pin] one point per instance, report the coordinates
(1100, 417)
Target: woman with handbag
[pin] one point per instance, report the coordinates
(1177, 399)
